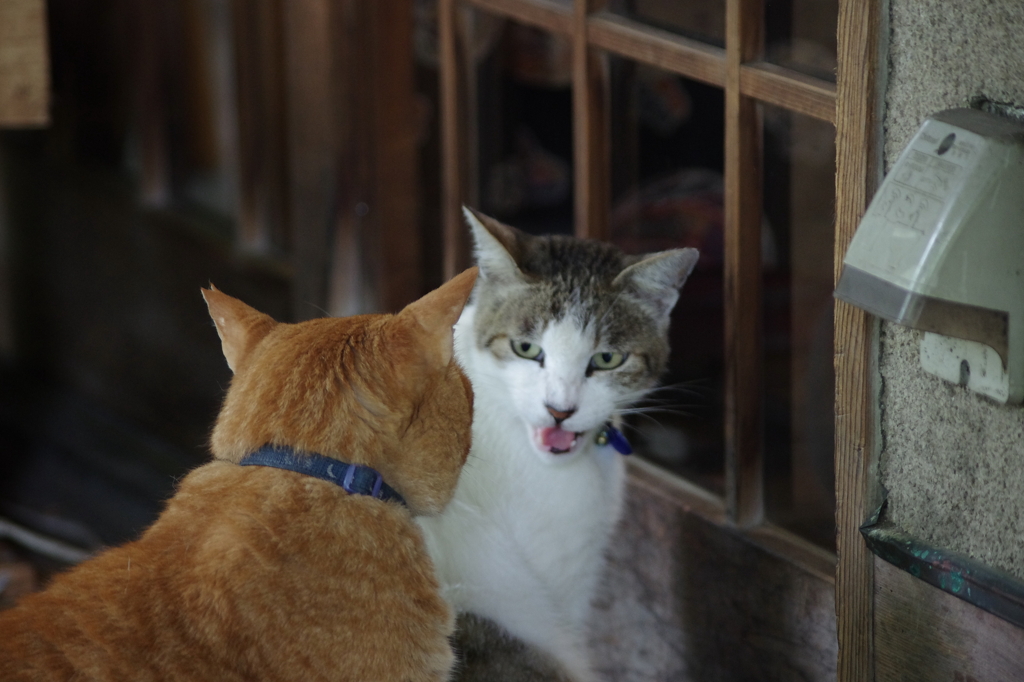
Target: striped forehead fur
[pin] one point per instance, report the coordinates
(568, 278)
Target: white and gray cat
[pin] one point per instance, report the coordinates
(560, 335)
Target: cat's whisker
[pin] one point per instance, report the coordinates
(693, 387)
(472, 460)
(646, 412)
(649, 399)
(318, 308)
(633, 397)
(638, 409)
(637, 429)
(674, 399)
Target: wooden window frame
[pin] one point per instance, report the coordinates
(862, 40)
(851, 104)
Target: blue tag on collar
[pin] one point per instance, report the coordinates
(610, 435)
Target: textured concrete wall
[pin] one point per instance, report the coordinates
(953, 462)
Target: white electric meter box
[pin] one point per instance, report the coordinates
(941, 249)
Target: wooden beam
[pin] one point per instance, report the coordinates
(377, 260)
(663, 49)
(352, 151)
(311, 114)
(452, 80)
(802, 553)
(262, 159)
(859, 97)
(151, 106)
(590, 102)
(24, 64)
(394, 201)
(549, 15)
(789, 89)
(690, 496)
(349, 286)
(743, 349)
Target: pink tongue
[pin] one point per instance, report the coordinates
(555, 438)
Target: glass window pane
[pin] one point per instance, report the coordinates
(799, 206)
(702, 20)
(524, 114)
(801, 35)
(666, 157)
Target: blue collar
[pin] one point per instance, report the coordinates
(610, 435)
(354, 479)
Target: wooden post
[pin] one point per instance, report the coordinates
(372, 217)
(743, 347)
(861, 39)
(394, 202)
(350, 287)
(591, 130)
(262, 156)
(454, 179)
(151, 103)
(312, 148)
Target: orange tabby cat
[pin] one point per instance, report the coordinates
(259, 573)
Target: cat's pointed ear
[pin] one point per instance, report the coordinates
(498, 246)
(658, 277)
(436, 313)
(239, 326)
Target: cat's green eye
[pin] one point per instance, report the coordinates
(607, 360)
(525, 349)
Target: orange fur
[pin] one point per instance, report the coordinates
(258, 573)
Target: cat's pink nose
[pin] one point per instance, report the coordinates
(560, 415)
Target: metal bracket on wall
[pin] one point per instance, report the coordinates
(988, 588)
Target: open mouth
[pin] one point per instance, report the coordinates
(556, 440)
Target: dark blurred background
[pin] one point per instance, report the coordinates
(189, 142)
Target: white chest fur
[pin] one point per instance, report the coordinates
(523, 540)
